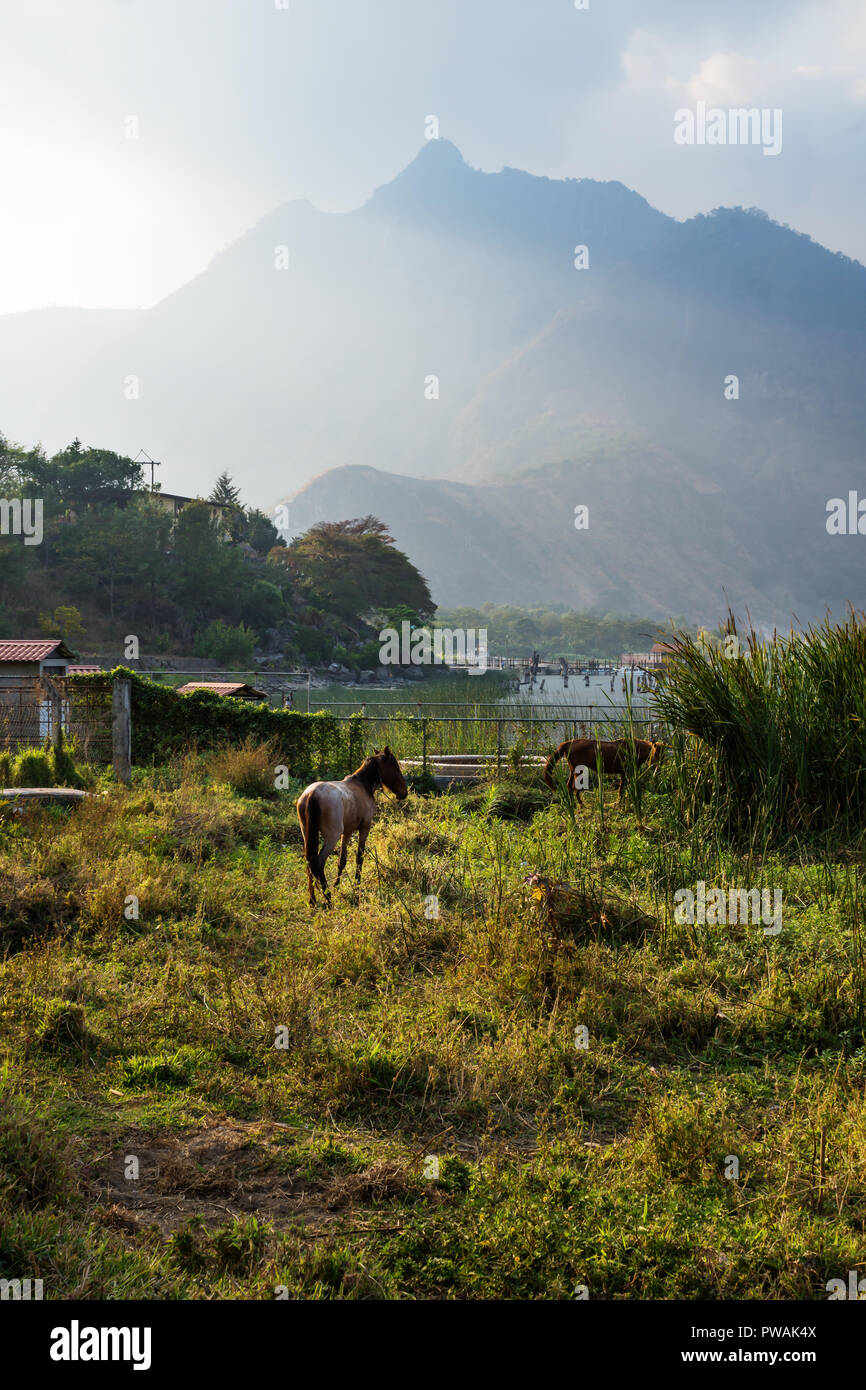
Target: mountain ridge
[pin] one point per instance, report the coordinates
(441, 331)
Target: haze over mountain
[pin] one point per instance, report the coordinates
(557, 387)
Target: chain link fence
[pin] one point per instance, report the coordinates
(33, 708)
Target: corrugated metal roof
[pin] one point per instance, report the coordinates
(11, 650)
(222, 688)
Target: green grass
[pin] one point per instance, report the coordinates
(406, 1034)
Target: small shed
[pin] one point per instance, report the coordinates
(30, 707)
(48, 656)
(236, 690)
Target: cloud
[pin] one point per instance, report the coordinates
(729, 79)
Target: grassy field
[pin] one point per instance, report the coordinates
(209, 1091)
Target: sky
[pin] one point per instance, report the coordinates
(139, 137)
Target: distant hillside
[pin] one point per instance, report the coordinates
(515, 541)
(281, 375)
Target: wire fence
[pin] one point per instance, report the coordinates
(503, 738)
(32, 709)
(568, 712)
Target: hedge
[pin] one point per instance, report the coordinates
(165, 723)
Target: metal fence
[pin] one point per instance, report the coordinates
(505, 738)
(94, 714)
(33, 708)
(89, 716)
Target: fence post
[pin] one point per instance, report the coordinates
(121, 730)
(55, 710)
(498, 745)
(424, 745)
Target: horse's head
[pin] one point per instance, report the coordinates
(392, 777)
(657, 752)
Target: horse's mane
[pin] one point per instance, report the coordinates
(369, 774)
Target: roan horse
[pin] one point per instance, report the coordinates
(614, 757)
(339, 809)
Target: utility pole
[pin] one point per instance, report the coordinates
(152, 464)
(149, 463)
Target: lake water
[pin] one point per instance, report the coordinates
(578, 695)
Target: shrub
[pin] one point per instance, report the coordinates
(222, 642)
(248, 769)
(32, 768)
(63, 764)
(366, 656)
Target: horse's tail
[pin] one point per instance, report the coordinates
(311, 831)
(554, 758)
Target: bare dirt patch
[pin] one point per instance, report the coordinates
(224, 1171)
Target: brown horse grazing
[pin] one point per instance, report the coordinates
(339, 809)
(613, 757)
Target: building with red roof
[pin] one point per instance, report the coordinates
(44, 656)
(236, 690)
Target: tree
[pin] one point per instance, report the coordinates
(206, 574)
(353, 570)
(13, 467)
(224, 492)
(264, 606)
(64, 622)
(79, 478)
(116, 553)
(259, 531)
(112, 559)
(232, 515)
(232, 645)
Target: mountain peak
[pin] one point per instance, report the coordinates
(437, 165)
(444, 152)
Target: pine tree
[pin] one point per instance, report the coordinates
(225, 492)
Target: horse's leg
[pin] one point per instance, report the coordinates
(303, 817)
(319, 872)
(363, 832)
(326, 851)
(344, 850)
(571, 784)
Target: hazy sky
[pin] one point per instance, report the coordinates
(242, 105)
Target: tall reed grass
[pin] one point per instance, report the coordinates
(773, 733)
